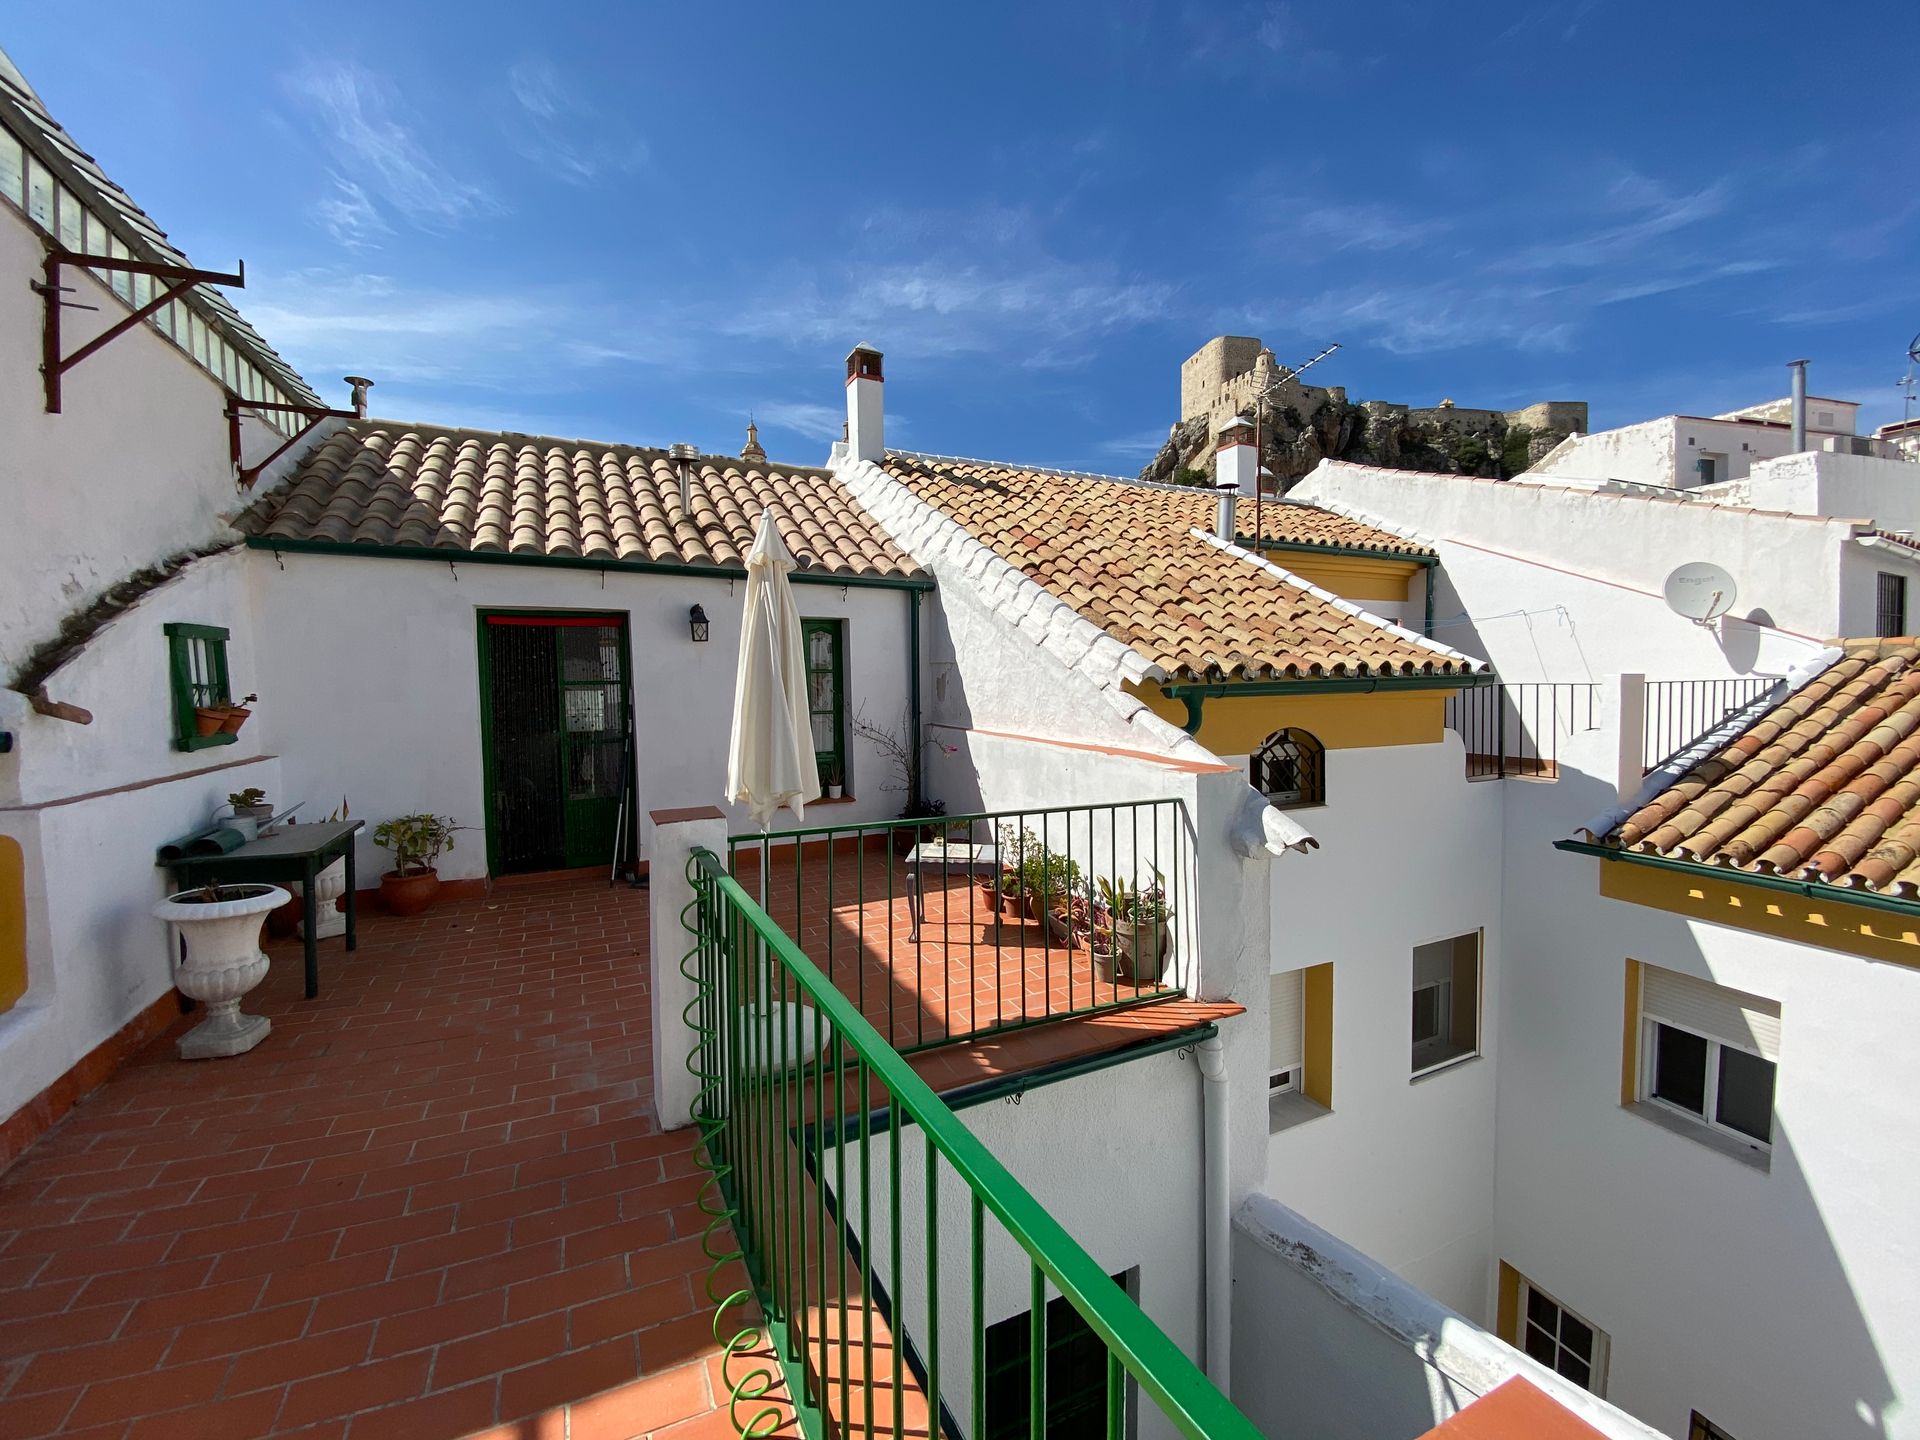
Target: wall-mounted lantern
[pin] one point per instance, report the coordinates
(697, 617)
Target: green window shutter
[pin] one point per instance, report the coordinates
(825, 645)
(196, 676)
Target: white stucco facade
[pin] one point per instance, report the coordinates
(392, 649)
(135, 468)
(1400, 1167)
(1710, 1275)
(90, 804)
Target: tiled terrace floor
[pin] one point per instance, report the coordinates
(434, 1203)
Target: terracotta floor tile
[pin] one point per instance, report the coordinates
(436, 1200)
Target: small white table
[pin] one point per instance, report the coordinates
(944, 858)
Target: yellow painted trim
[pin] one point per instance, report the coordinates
(13, 922)
(1316, 1070)
(1351, 577)
(1240, 725)
(1630, 1038)
(1507, 1305)
(1829, 924)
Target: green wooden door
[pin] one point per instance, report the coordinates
(555, 728)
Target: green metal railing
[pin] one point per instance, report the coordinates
(880, 1237)
(951, 928)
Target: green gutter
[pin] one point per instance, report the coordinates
(441, 555)
(1806, 889)
(1196, 693)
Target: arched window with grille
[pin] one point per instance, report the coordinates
(1290, 769)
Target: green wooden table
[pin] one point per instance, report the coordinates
(293, 852)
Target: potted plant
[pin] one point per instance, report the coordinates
(836, 780)
(416, 842)
(251, 804)
(207, 719)
(236, 715)
(1138, 926)
(220, 961)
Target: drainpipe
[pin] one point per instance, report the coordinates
(914, 787)
(1212, 1058)
(1426, 625)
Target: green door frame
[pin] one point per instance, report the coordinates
(485, 671)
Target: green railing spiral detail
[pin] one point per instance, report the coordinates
(717, 1239)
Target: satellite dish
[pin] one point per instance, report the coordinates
(1702, 592)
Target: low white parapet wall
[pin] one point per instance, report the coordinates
(1329, 1343)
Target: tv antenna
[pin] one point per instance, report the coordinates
(1907, 380)
(1287, 372)
(1701, 592)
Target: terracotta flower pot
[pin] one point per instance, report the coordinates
(207, 719)
(235, 717)
(409, 894)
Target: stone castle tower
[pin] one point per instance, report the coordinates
(1303, 424)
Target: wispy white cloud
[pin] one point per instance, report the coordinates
(386, 163)
(1370, 227)
(350, 217)
(1141, 445)
(553, 126)
(1269, 37)
(806, 419)
(936, 283)
(524, 339)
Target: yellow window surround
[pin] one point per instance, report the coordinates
(13, 922)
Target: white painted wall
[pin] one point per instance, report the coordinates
(375, 685)
(1778, 1303)
(1328, 1343)
(134, 469)
(1665, 451)
(1584, 599)
(1076, 1146)
(1402, 1168)
(95, 957)
(1819, 482)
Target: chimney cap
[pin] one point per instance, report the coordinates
(870, 349)
(684, 451)
(356, 380)
(863, 363)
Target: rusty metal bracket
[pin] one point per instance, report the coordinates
(314, 414)
(179, 280)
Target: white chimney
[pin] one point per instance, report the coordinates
(866, 427)
(1236, 465)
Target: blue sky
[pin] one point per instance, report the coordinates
(641, 222)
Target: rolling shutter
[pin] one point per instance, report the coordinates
(1731, 1016)
(1287, 1051)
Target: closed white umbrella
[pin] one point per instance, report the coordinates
(770, 758)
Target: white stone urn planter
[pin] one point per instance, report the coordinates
(328, 886)
(223, 961)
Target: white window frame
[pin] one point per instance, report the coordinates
(1649, 1056)
(1602, 1342)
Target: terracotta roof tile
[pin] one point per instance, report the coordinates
(1125, 557)
(1824, 786)
(379, 483)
